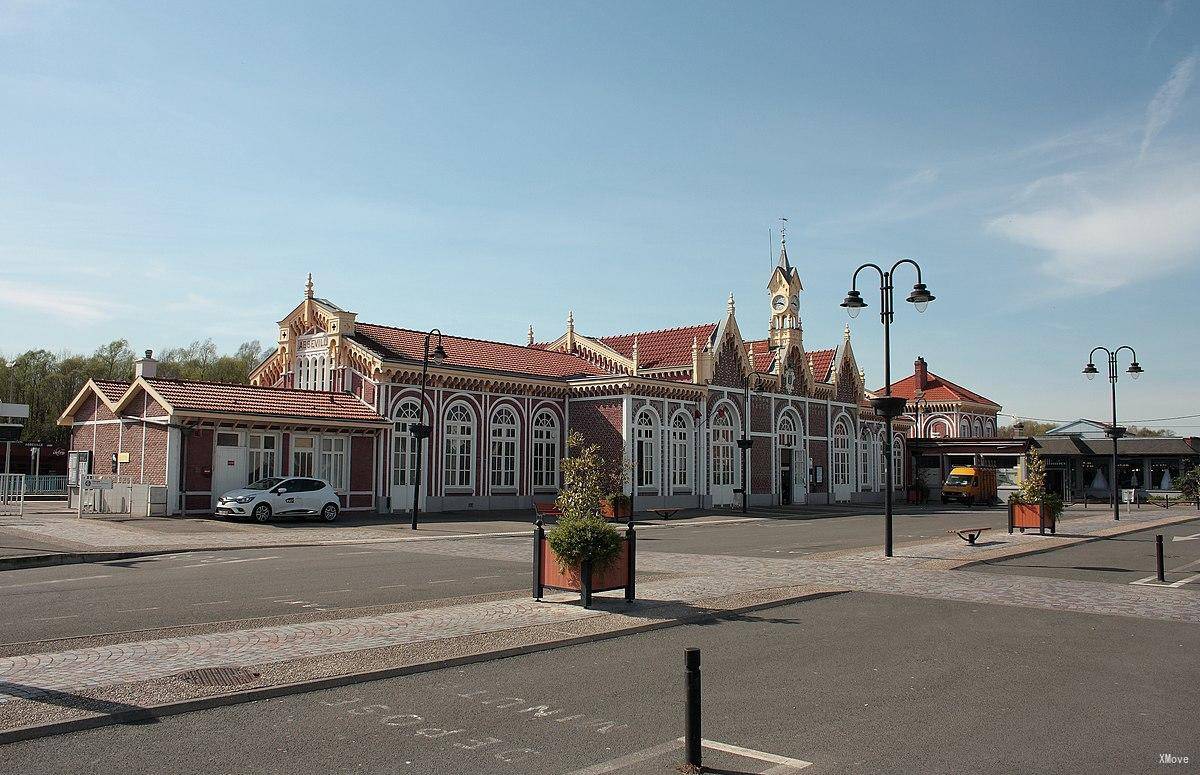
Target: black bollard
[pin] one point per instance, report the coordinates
(1158, 557)
(539, 535)
(631, 582)
(691, 736)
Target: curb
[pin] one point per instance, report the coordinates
(1076, 541)
(153, 712)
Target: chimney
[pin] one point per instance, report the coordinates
(146, 367)
(921, 372)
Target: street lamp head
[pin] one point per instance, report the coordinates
(438, 356)
(920, 297)
(1090, 371)
(853, 303)
(1135, 370)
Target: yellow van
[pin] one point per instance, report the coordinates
(970, 485)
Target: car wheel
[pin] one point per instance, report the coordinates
(262, 513)
(330, 512)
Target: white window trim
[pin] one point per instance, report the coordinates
(513, 442)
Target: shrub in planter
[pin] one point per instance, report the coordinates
(1031, 505)
(590, 538)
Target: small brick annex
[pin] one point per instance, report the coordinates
(339, 398)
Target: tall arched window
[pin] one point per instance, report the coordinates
(939, 429)
(865, 461)
(645, 434)
(964, 428)
(404, 446)
(723, 445)
(989, 428)
(788, 438)
(978, 428)
(504, 449)
(459, 448)
(681, 451)
(545, 450)
(841, 454)
(897, 462)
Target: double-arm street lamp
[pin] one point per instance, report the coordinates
(1115, 431)
(421, 431)
(887, 405)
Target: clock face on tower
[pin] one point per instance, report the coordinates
(779, 302)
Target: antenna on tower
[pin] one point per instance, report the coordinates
(783, 231)
(771, 249)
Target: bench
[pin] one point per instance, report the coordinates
(969, 534)
(546, 509)
(665, 513)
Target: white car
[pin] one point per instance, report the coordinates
(293, 496)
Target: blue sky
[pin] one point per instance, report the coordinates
(170, 172)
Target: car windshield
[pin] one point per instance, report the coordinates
(958, 480)
(264, 484)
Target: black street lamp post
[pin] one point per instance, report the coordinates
(1115, 431)
(887, 405)
(744, 444)
(421, 431)
(920, 404)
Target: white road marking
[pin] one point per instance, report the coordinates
(215, 602)
(52, 618)
(392, 586)
(1193, 537)
(131, 610)
(631, 758)
(229, 562)
(54, 581)
(1188, 580)
(351, 554)
(496, 576)
(750, 753)
(443, 581)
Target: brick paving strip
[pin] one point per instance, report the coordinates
(114, 682)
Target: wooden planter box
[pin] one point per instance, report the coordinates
(1030, 516)
(621, 510)
(621, 573)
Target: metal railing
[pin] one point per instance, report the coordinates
(46, 484)
(12, 495)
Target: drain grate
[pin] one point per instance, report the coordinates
(218, 676)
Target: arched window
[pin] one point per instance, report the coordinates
(990, 428)
(645, 433)
(897, 462)
(545, 450)
(788, 438)
(723, 445)
(939, 429)
(841, 454)
(459, 448)
(964, 428)
(866, 474)
(978, 429)
(681, 451)
(404, 446)
(504, 449)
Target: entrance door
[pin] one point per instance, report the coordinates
(404, 457)
(229, 463)
(785, 477)
(799, 477)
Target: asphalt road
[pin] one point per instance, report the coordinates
(198, 587)
(1119, 560)
(853, 683)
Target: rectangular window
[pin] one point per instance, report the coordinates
(333, 462)
(262, 456)
(303, 455)
(545, 452)
(228, 440)
(504, 458)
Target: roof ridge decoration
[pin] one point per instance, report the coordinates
(667, 330)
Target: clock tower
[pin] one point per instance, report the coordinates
(784, 292)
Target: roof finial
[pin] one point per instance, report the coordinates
(529, 336)
(571, 319)
(634, 355)
(846, 333)
(783, 256)
(308, 287)
(729, 304)
(783, 231)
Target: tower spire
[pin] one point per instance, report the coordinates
(308, 287)
(783, 256)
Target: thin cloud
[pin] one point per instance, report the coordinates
(1167, 100)
(62, 306)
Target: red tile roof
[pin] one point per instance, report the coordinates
(936, 389)
(822, 364)
(662, 348)
(475, 353)
(111, 388)
(227, 398)
(760, 354)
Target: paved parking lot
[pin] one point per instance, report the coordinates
(855, 683)
(1118, 560)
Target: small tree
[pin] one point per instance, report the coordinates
(581, 533)
(1189, 484)
(1032, 488)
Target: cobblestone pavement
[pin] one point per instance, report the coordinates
(914, 571)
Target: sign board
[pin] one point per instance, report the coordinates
(92, 483)
(123, 457)
(79, 465)
(10, 432)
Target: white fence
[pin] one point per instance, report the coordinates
(12, 495)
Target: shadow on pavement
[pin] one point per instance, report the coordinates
(136, 713)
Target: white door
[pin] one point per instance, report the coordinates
(404, 457)
(229, 463)
(799, 477)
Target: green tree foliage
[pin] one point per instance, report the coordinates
(1032, 428)
(1032, 487)
(48, 381)
(1189, 483)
